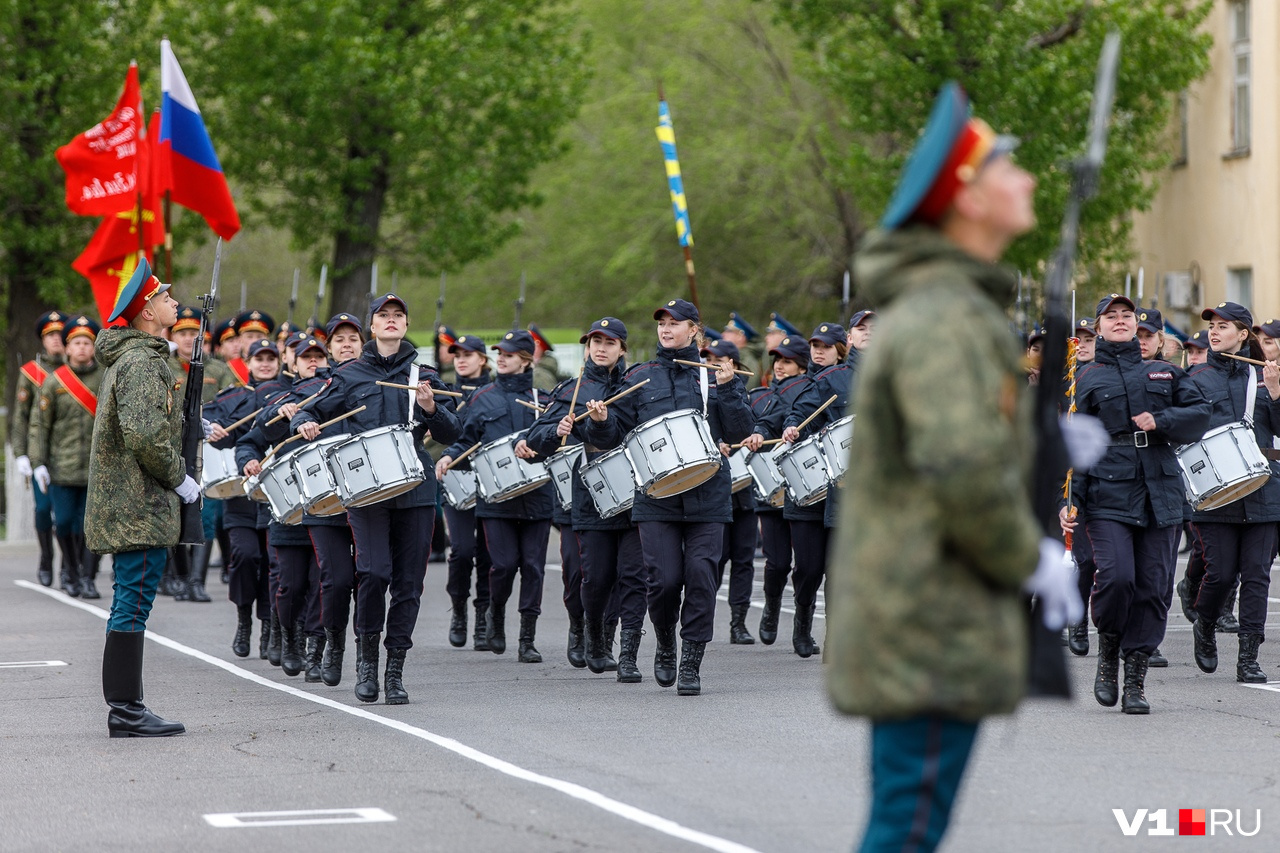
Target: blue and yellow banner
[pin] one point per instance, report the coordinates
(667, 138)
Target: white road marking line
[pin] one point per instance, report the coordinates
(19, 664)
(571, 789)
(309, 817)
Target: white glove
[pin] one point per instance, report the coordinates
(1054, 584)
(1086, 440)
(189, 490)
(208, 427)
(42, 478)
(23, 464)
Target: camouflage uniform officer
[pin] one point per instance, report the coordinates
(546, 370)
(926, 631)
(31, 377)
(61, 429)
(136, 479)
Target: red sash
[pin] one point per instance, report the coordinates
(34, 372)
(240, 369)
(77, 389)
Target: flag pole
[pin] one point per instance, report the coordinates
(675, 183)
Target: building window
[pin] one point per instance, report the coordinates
(1241, 60)
(1240, 286)
(1181, 148)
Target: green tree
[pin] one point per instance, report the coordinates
(1029, 68)
(397, 130)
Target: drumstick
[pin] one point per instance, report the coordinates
(817, 412)
(573, 402)
(243, 420)
(615, 398)
(463, 455)
(765, 443)
(1242, 358)
(297, 436)
(438, 392)
(300, 405)
(706, 366)
(533, 406)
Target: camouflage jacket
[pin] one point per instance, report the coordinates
(25, 399)
(217, 377)
(135, 463)
(935, 533)
(62, 429)
(546, 373)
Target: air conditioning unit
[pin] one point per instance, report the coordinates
(1179, 292)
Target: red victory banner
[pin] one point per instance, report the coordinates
(102, 164)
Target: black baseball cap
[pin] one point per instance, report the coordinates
(1231, 311)
(678, 309)
(723, 349)
(384, 299)
(793, 347)
(1151, 320)
(471, 343)
(610, 327)
(517, 341)
(829, 334)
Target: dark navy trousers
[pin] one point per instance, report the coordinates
(299, 575)
(336, 556)
(1234, 552)
(468, 555)
(680, 559)
(249, 581)
(775, 542)
(392, 547)
(613, 576)
(1133, 584)
(517, 546)
(571, 571)
(738, 552)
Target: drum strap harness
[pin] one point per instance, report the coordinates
(1250, 397)
(413, 392)
(705, 383)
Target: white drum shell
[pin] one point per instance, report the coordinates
(374, 466)
(805, 470)
(1223, 467)
(319, 489)
(611, 482)
(836, 439)
(561, 465)
(770, 487)
(501, 475)
(673, 453)
(218, 475)
(739, 474)
(460, 489)
(284, 495)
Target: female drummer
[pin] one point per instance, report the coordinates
(1132, 499)
(1239, 539)
(612, 571)
(832, 376)
(517, 529)
(791, 367)
(346, 338)
(391, 537)
(468, 553)
(738, 551)
(680, 536)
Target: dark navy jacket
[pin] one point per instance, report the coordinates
(493, 413)
(1114, 388)
(773, 419)
(229, 406)
(673, 387)
(597, 384)
(835, 380)
(1224, 383)
(758, 400)
(354, 386)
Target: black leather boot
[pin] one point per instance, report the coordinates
(478, 639)
(244, 627)
(576, 652)
(458, 624)
(801, 632)
(367, 667)
(122, 688)
(1135, 677)
(69, 581)
(44, 569)
(595, 653)
(88, 568)
(495, 628)
(664, 659)
(528, 628)
(181, 572)
(1157, 660)
(610, 631)
(315, 654)
(769, 619)
(1078, 641)
(290, 654)
(689, 682)
(273, 648)
(1106, 688)
(396, 694)
(1227, 623)
(1247, 669)
(166, 577)
(628, 671)
(738, 633)
(1187, 598)
(200, 556)
(1204, 645)
(331, 662)
(264, 639)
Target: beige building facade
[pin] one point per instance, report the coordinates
(1213, 231)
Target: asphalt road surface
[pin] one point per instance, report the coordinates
(493, 755)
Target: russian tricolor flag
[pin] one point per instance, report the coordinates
(189, 168)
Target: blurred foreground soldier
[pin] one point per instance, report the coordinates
(31, 377)
(926, 627)
(136, 479)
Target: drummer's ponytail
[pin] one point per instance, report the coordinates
(1251, 341)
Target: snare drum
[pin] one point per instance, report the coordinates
(319, 490)
(673, 453)
(1222, 467)
(375, 466)
(253, 489)
(805, 470)
(739, 474)
(561, 464)
(835, 439)
(460, 489)
(770, 488)
(501, 475)
(219, 477)
(611, 482)
(280, 484)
